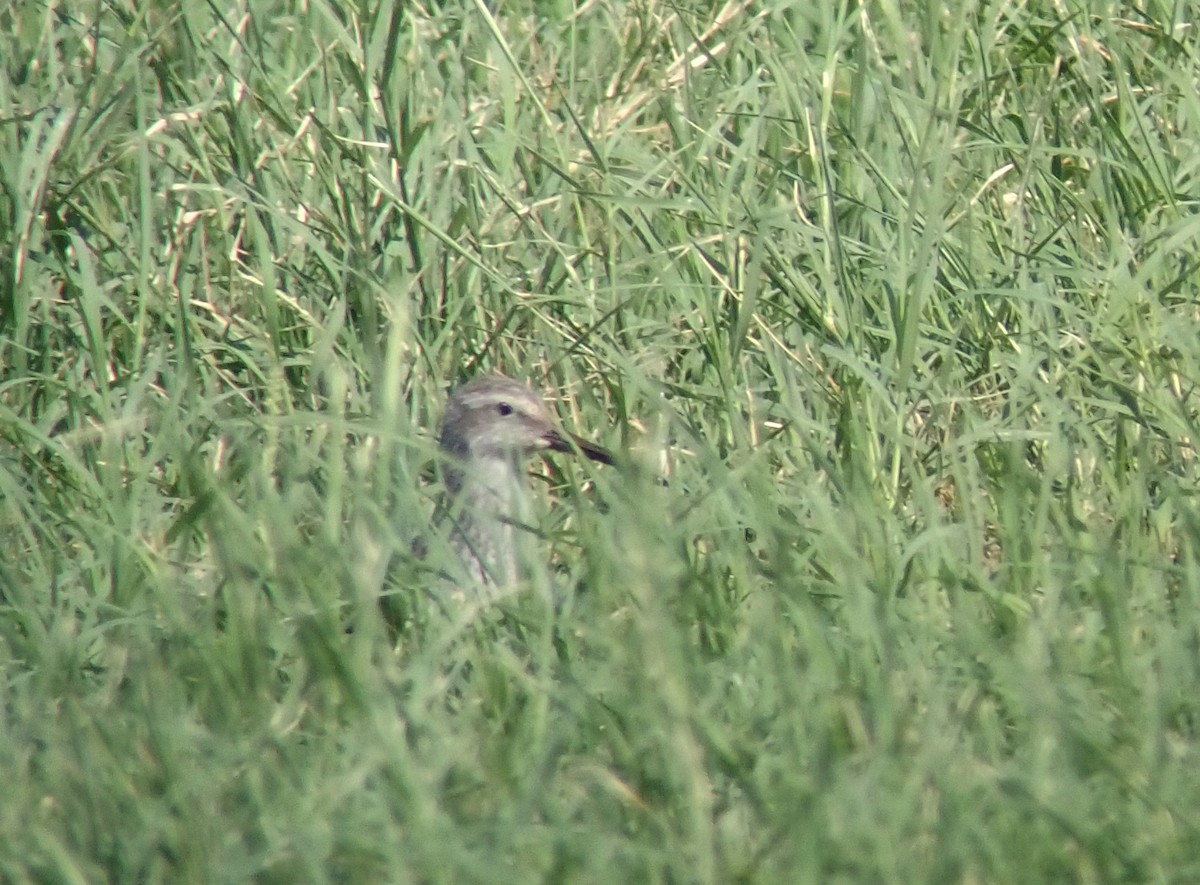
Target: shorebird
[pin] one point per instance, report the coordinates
(492, 426)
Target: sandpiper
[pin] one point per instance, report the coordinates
(491, 428)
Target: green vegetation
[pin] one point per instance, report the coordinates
(899, 298)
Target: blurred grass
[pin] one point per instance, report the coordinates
(901, 300)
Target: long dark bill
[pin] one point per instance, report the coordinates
(572, 444)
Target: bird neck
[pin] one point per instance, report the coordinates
(488, 500)
(491, 485)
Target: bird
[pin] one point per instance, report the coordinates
(491, 427)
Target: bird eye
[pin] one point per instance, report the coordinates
(504, 409)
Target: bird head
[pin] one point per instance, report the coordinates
(496, 417)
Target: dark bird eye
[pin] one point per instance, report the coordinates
(504, 408)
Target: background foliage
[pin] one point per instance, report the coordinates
(901, 299)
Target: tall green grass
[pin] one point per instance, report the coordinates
(899, 300)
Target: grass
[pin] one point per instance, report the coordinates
(900, 300)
